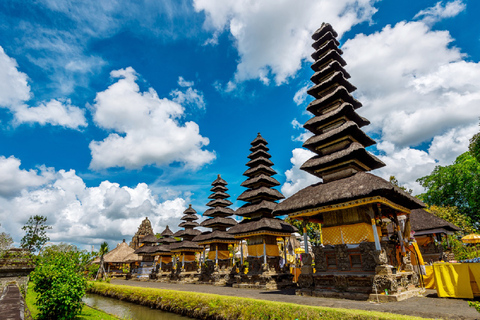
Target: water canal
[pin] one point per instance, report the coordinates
(128, 310)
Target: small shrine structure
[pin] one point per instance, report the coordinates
(144, 229)
(260, 227)
(184, 252)
(115, 259)
(164, 256)
(148, 247)
(217, 267)
(358, 258)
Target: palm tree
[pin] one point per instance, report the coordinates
(103, 250)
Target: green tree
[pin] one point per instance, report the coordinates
(35, 233)
(456, 185)
(102, 252)
(313, 230)
(394, 181)
(474, 146)
(59, 284)
(452, 215)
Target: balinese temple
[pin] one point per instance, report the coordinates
(358, 258)
(429, 232)
(260, 227)
(164, 255)
(144, 229)
(185, 252)
(148, 247)
(218, 266)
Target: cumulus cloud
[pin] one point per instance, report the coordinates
(301, 95)
(441, 11)
(189, 96)
(147, 129)
(80, 214)
(297, 179)
(273, 37)
(15, 92)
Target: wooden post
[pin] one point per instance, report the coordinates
(160, 262)
(264, 252)
(183, 260)
(284, 252)
(371, 213)
(305, 237)
(216, 254)
(241, 252)
(204, 249)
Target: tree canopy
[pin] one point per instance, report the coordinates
(456, 185)
(35, 233)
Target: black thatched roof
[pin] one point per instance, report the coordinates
(324, 28)
(259, 160)
(166, 240)
(360, 185)
(323, 39)
(262, 224)
(218, 221)
(260, 169)
(259, 153)
(219, 188)
(330, 55)
(167, 232)
(146, 250)
(260, 180)
(422, 220)
(219, 181)
(249, 209)
(189, 217)
(345, 109)
(263, 192)
(328, 84)
(186, 232)
(214, 235)
(219, 195)
(187, 224)
(219, 211)
(332, 66)
(190, 210)
(219, 203)
(258, 140)
(149, 239)
(185, 245)
(339, 94)
(331, 44)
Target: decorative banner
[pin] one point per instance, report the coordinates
(256, 250)
(349, 234)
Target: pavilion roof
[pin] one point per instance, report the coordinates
(422, 220)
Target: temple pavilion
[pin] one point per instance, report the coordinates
(358, 257)
(147, 249)
(218, 264)
(164, 254)
(184, 252)
(260, 227)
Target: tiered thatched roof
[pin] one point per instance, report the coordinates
(188, 233)
(219, 214)
(119, 255)
(260, 197)
(341, 159)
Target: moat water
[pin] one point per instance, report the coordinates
(128, 310)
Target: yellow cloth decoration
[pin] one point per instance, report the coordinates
(429, 278)
(256, 250)
(414, 247)
(166, 259)
(222, 255)
(453, 280)
(423, 241)
(188, 258)
(475, 272)
(350, 234)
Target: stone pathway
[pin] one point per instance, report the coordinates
(11, 304)
(429, 306)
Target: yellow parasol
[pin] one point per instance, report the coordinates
(471, 238)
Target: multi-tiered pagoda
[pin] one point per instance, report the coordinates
(260, 227)
(164, 255)
(218, 263)
(186, 250)
(351, 205)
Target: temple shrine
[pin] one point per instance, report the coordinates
(164, 266)
(217, 267)
(185, 262)
(144, 229)
(358, 258)
(260, 227)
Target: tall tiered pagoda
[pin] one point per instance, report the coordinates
(260, 227)
(351, 205)
(164, 255)
(186, 249)
(218, 262)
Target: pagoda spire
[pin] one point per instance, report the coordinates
(337, 139)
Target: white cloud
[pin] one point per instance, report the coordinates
(80, 214)
(301, 95)
(413, 84)
(15, 92)
(189, 96)
(147, 128)
(273, 37)
(297, 179)
(54, 112)
(440, 11)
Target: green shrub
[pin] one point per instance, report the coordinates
(474, 304)
(92, 270)
(461, 251)
(59, 284)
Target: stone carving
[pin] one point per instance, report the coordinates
(305, 281)
(341, 282)
(343, 262)
(320, 259)
(367, 250)
(382, 282)
(144, 229)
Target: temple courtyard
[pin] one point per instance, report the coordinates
(427, 306)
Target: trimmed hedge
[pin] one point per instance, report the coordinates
(212, 306)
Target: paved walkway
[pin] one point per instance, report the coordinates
(428, 307)
(11, 304)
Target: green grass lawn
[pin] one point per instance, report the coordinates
(87, 312)
(225, 307)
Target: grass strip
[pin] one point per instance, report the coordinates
(212, 306)
(87, 312)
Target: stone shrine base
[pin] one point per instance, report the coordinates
(399, 296)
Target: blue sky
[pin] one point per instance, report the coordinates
(111, 111)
